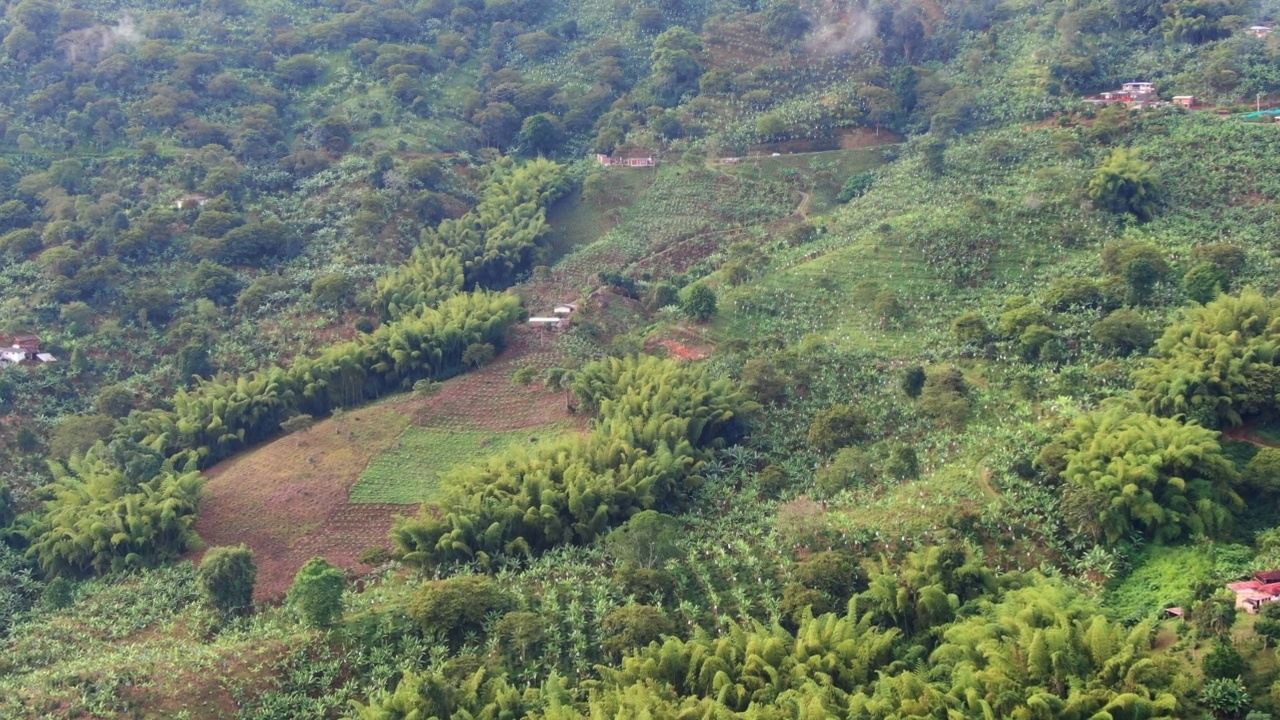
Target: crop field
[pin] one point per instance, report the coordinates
(411, 471)
(288, 499)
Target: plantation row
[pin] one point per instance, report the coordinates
(108, 524)
(940, 636)
(657, 424)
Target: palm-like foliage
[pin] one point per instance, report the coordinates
(1125, 184)
(1216, 364)
(99, 519)
(658, 422)
(1163, 477)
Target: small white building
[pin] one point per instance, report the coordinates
(13, 355)
(1261, 31)
(1138, 88)
(565, 309)
(545, 321)
(46, 358)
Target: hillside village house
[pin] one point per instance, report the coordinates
(1135, 94)
(1261, 31)
(607, 161)
(22, 349)
(1251, 594)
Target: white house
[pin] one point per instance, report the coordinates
(13, 355)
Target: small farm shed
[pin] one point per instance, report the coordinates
(1186, 101)
(545, 321)
(190, 202)
(565, 309)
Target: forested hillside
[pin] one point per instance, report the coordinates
(896, 372)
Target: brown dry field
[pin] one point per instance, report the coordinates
(288, 499)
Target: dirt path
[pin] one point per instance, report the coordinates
(1242, 434)
(803, 208)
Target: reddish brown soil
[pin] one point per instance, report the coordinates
(287, 500)
(1244, 434)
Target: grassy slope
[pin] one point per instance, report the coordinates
(1043, 233)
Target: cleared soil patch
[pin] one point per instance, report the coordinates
(288, 499)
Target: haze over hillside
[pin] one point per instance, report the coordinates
(699, 358)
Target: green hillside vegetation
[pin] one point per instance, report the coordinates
(908, 384)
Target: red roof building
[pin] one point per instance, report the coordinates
(30, 343)
(1251, 594)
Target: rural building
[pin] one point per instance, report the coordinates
(607, 161)
(28, 342)
(552, 322)
(1261, 31)
(24, 348)
(565, 309)
(1186, 101)
(190, 202)
(1134, 94)
(1251, 594)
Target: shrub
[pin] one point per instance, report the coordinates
(525, 375)
(1205, 282)
(836, 427)
(478, 354)
(971, 329)
(945, 394)
(798, 599)
(913, 381)
(375, 556)
(647, 541)
(226, 576)
(699, 303)
(333, 290)
(1263, 471)
(316, 594)
(635, 626)
(1067, 293)
(456, 606)
(849, 466)
(773, 480)
(856, 186)
(1230, 258)
(1123, 331)
(1223, 661)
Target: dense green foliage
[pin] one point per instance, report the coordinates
(1158, 476)
(658, 423)
(316, 595)
(1216, 364)
(104, 516)
(226, 576)
(233, 219)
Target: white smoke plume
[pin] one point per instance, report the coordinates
(846, 29)
(91, 43)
